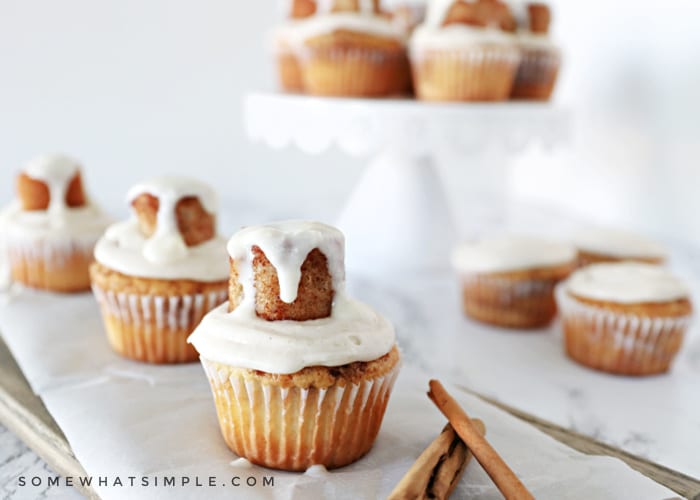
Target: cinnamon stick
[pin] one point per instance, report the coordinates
(436, 472)
(505, 479)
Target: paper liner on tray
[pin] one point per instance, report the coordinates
(626, 344)
(295, 428)
(154, 328)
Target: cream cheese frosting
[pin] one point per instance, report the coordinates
(511, 253)
(353, 332)
(618, 243)
(164, 255)
(626, 283)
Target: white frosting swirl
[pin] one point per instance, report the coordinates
(125, 249)
(626, 283)
(618, 243)
(286, 245)
(353, 332)
(165, 255)
(511, 253)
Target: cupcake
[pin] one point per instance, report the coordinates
(157, 274)
(539, 57)
(300, 372)
(614, 245)
(509, 281)
(50, 231)
(288, 67)
(627, 318)
(348, 48)
(464, 51)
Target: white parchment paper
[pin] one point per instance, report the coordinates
(124, 419)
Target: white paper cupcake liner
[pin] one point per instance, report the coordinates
(354, 71)
(154, 328)
(619, 343)
(295, 428)
(471, 73)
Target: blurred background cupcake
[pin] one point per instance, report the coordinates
(50, 231)
(158, 273)
(509, 280)
(351, 48)
(287, 59)
(627, 318)
(465, 51)
(540, 59)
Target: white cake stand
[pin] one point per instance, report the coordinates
(398, 218)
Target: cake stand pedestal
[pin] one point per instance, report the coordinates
(397, 217)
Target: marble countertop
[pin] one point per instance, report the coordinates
(17, 463)
(657, 418)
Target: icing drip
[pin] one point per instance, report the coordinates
(167, 244)
(241, 463)
(56, 171)
(165, 255)
(509, 253)
(317, 471)
(286, 245)
(627, 283)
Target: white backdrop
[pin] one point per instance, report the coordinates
(136, 88)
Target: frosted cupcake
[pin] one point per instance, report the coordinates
(50, 231)
(157, 274)
(464, 51)
(348, 48)
(287, 59)
(614, 245)
(626, 318)
(540, 58)
(300, 372)
(509, 281)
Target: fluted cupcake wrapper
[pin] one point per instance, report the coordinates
(295, 428)
(537, 73)
(626, 344)
(474, 73)
(354, 71)
(289, 70)
(509, 302)
(154, 328)
(60, 266)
